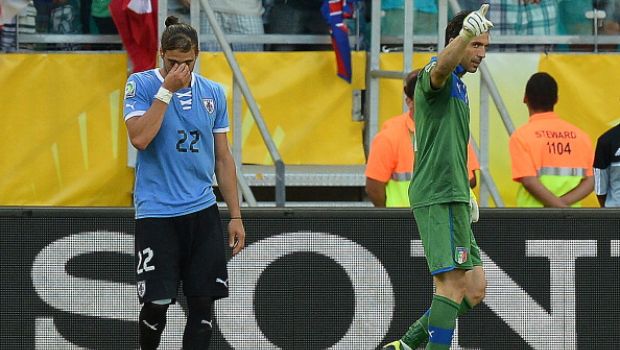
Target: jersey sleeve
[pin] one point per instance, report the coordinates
(381, 160)
(602, 156)
(601, 181)
(137, 100)
(602, 161)
(221, 111)
(522, 163)
(424, 82)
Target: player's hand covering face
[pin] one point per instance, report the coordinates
(178, 67)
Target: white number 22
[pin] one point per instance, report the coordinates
(144, 265)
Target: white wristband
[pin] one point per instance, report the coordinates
(164, 95)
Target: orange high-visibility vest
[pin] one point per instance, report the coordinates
(390, 159)
(555, 151)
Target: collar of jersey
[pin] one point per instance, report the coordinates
(161, 78)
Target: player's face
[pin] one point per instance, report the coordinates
(172, 57)
(475, 53)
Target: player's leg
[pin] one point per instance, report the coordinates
(445, 232)
(449, 293)
(199, 327)
(474, 294)
(157, 276)
(451, 285)
(476, 279)
(152, 323)
(205, 278)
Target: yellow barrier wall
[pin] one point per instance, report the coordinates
(306, 107)
(63, 138)
(64, 141)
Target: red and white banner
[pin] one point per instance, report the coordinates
(136, 21)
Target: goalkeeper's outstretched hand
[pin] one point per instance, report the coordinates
(476, 23)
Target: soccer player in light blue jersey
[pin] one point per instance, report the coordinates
(178, 122)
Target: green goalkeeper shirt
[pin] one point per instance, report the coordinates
(442, 134)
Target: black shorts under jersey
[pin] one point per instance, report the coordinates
(188, 248)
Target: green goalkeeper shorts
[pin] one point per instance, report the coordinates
(447, 237)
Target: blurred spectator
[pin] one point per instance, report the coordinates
(59, 17)
(577, 18)
(180, 10)
(9, 9)
(607, 168)
(611, 24)
(551, 158)
(297, 17)
(44, 7)
(100, 12)
(88, 26)
(523, 17)
(572, 15)
(393, 16)
(234, 17)
(469, 4)
(65, 17)
(23, 23)
(267, 5)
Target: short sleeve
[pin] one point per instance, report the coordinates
(521, 159)
(601, 181)
(381, 160)
(602, 156)
(137, 100)
(221, 111)
(424, 82)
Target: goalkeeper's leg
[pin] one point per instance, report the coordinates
(476, 285)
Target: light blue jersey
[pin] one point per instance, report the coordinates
(175, 173)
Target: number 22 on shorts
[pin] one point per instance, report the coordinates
(144, 257)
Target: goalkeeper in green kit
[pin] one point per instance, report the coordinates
(439, 193)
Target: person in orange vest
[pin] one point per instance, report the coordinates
(551, 158)
(390, 161)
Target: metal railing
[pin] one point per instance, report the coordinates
(241, 84)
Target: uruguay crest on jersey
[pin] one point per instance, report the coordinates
(209, 104)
